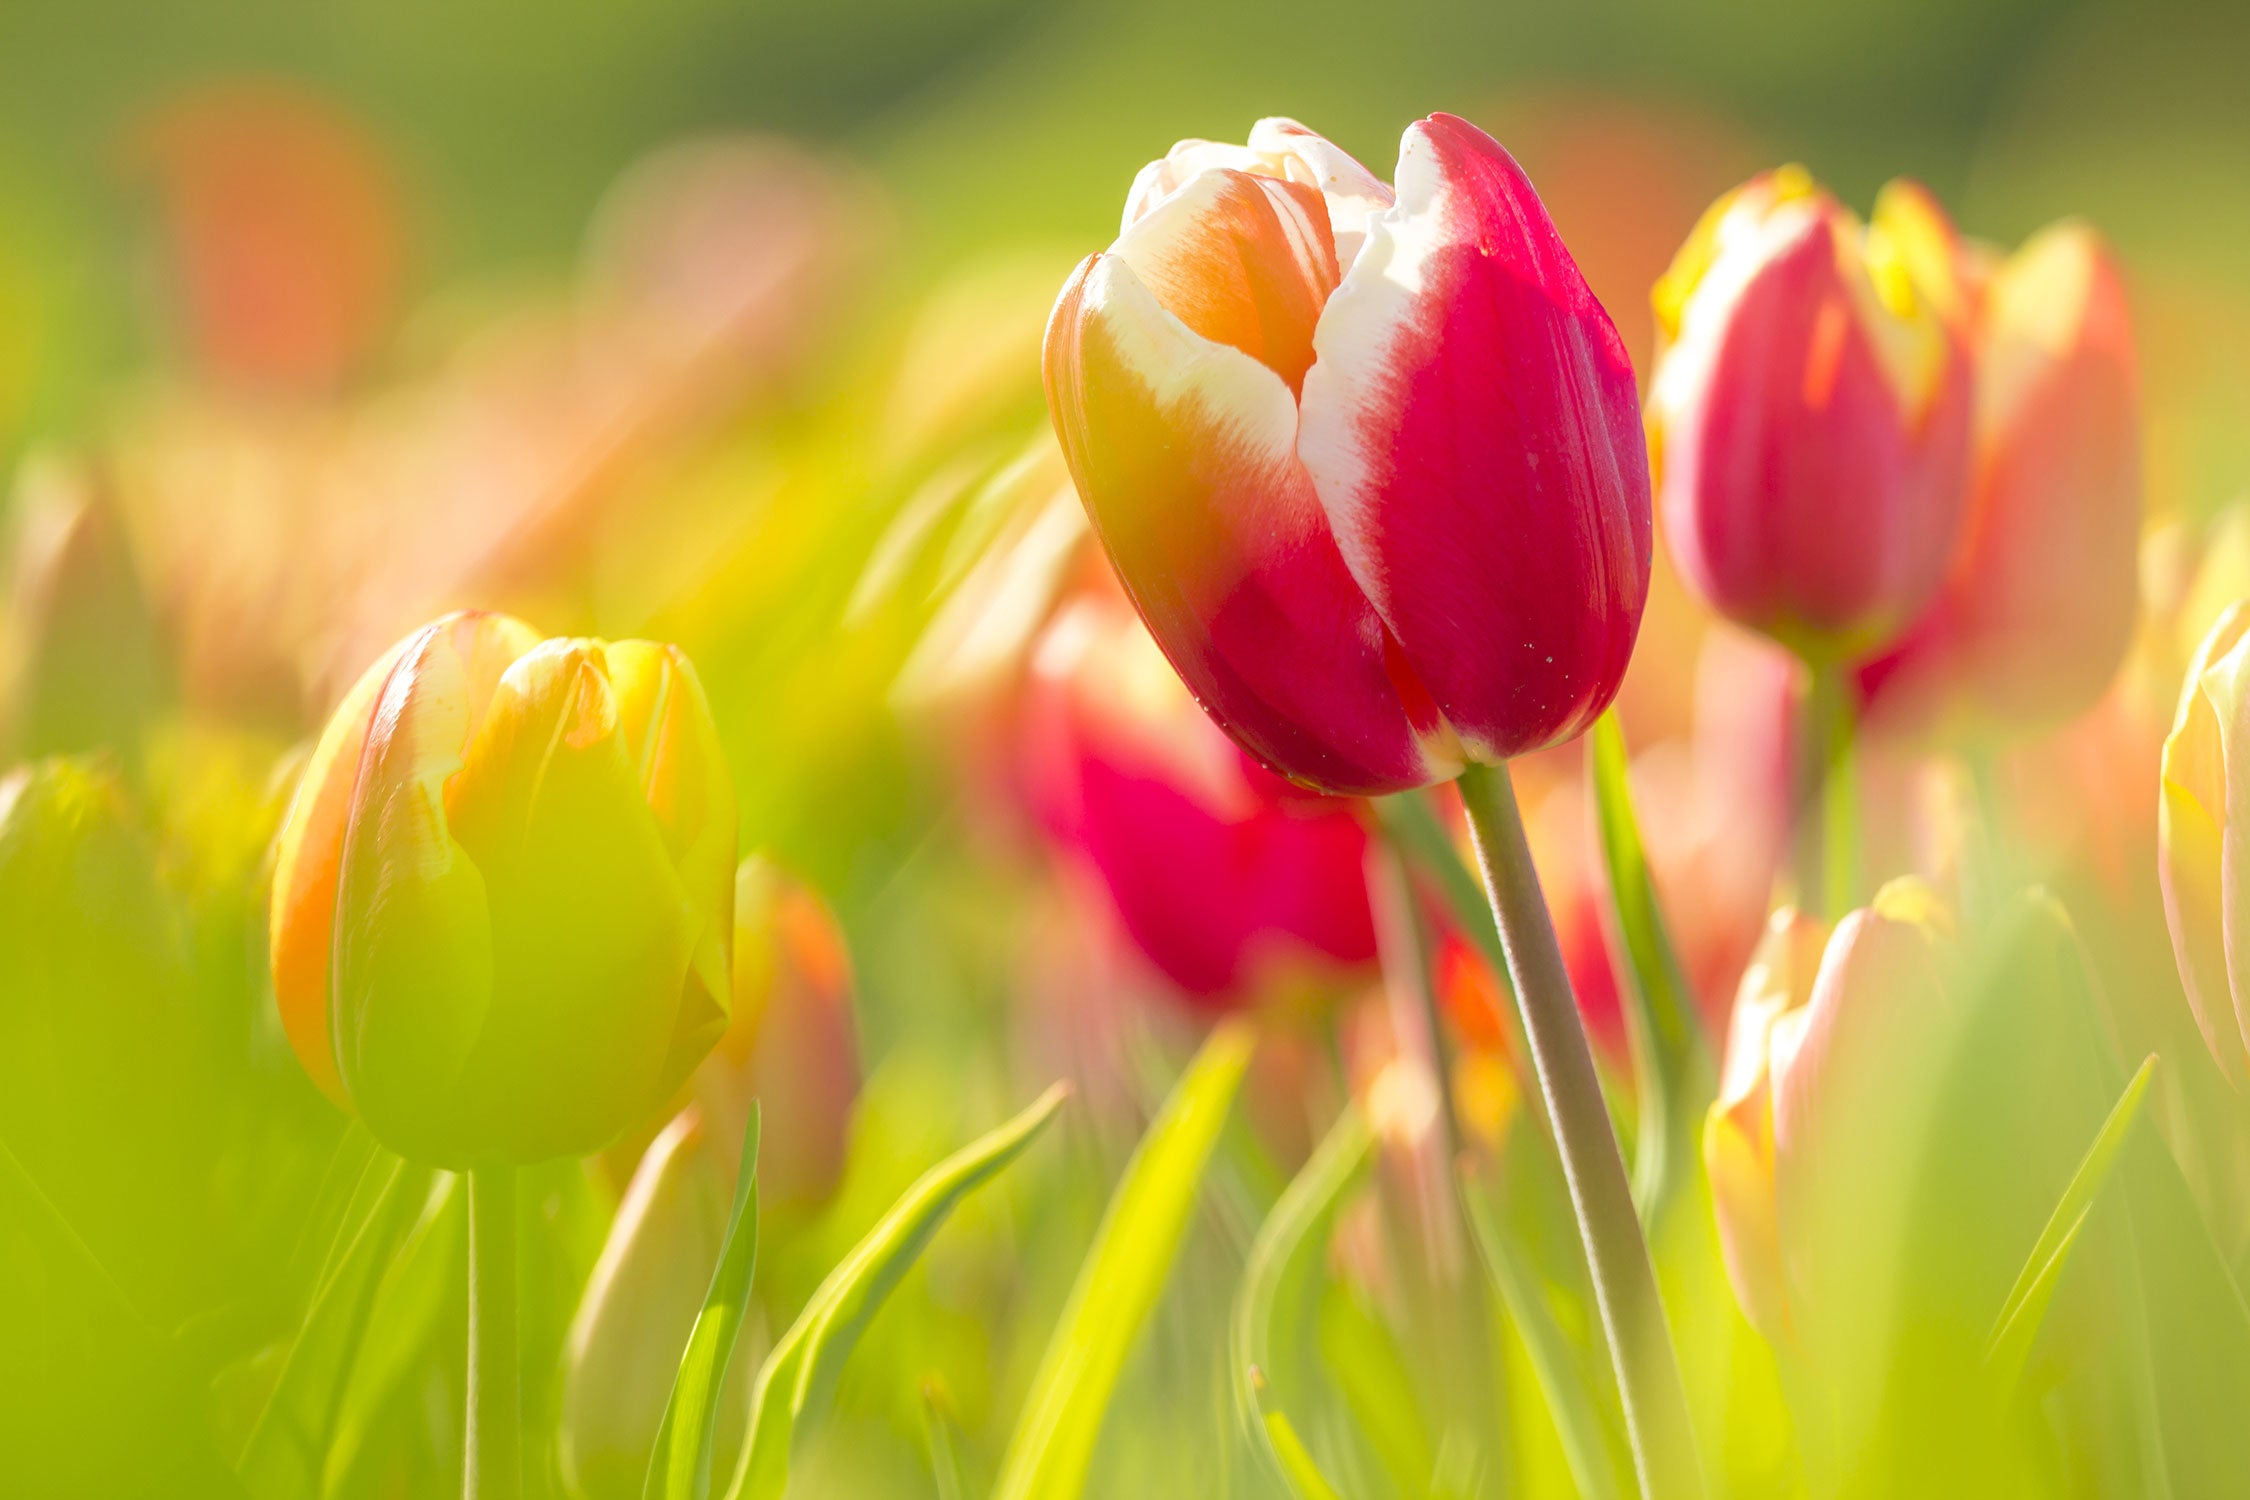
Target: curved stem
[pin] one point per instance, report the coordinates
(1640, 1343)
(492, 1469)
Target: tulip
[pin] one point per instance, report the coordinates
(791, 1045)
(1367, 462)
(502, 919)
(1800, 1145)
(2038, 609)
(2200, 818)
(639, 1307)
(82, 666)
(1221, 874)
(1810, 412)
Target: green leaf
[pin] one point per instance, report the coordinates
(679, 1467)
(2017, 1326)
(1672, 1065)
(287, 1454)
(1121, 1277)
(406, 1311)
(1576, 1414)
(800, 1373)
(1276, 1268)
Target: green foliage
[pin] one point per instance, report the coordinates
(1121, 1277)
(680, 1466)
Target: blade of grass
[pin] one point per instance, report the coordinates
(1673, 1070)
(1276, 1269)
(2017, 1325)
(800, 1373)
(1121, 1277)
(1577, 1419)
(679, 1468)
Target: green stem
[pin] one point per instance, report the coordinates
(1826, 863)
(493, 1466)
(1640, 1343)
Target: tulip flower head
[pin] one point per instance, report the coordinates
(503, 905)
(1798, 1144)
(1221, 874)
(2039, 606)
(1810, 412)
(1366, 460)
(2201, 819)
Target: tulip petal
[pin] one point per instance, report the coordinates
(413, 949)
(1184, 453)
(2204, 768)
(1474, 432)
(1242, 259)
(1354, 195)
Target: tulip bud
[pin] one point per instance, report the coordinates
(2200, 818)
(502, 919)
(1220, 873)
(1367, 462)
(1799, 1146)
(1810, 412)
(81, 665)
(638, 1309)
(2038, 609)
(792, 1046)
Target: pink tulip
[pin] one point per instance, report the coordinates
(1809, 414)
(1219, 872)
(1367, 462)
(2039, 607)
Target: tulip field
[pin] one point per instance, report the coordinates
(1069, 752)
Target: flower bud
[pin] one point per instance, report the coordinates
(792, 1046)
(1366, 460)
(638, 1309)
(1805, 1170)
(502, 921)
(1809, 414)
(2200, 818)
(2038, 608)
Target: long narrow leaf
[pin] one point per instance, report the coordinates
(2017, 1325)
(1121, 1278)
(801, 1371)
(1275, 1266)
(400, 1324)
(287, 1453)
(1413, 827)
(1577, 1419)
(1672, 1065)
(680, 1466)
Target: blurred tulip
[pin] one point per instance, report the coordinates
(2039, 606)
(1222, 874)
(106, 1083)
(286, 226)
(1809, 415)
(1367, 463)
(638, 1309)
(82, 666)
(2201, 818)
(1738, 1141)
(502, 919)
(791, 1045)
(1801, 1145)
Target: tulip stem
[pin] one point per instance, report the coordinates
(1640, 1342)
(1827, 806)
(492, 1468)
